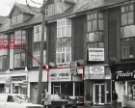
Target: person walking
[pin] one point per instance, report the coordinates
(114, 99)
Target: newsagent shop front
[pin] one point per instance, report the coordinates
(124, 82)
(97, 85)
(64, 86)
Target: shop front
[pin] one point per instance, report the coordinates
(66, 87)
(97, 85)
(4, 83)
(18, 85)
(33, 79)
(124, 81)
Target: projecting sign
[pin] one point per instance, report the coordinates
(96, 54)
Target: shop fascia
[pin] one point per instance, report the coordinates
(127, 75)
(63, 74)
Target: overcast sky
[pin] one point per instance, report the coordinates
(6, 5)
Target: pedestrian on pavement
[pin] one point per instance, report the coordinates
(42, 97)
(114, 99)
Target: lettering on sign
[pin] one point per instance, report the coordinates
(96, 54)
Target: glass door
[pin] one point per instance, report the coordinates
(99, 94)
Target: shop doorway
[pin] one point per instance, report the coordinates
(99, 94)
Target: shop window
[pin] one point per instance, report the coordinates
(62, 88)
(56, 88)
(10, 99)
(79, 89)
(127, 14)
(2, 86)
(67, 88)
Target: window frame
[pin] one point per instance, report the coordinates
(21, 49)
(125, 10)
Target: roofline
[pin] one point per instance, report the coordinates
(71, 15)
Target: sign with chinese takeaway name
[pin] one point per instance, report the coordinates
(96, 54)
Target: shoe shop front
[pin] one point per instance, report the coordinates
(124, 82)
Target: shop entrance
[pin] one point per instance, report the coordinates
(99, 94)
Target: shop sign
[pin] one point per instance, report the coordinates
(96, 54)
(95, 72)
(97, 69)
(18, 78)
(120, 75)
(60, 75)
(33, 76)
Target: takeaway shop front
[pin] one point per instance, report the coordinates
(65, 87)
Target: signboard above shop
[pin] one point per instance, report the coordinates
(95, 72)
(96, 54)
(60, 74)
(121, 75)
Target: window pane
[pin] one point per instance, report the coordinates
(131, 7)
(95, 15)
(100, 15)
(67, 88)
(101, 25)
(123, 9)
(22, 59)
(128, 31)
(17, 60)
(124, 19)
(125, 52)
(94, 25)
(130, 18)
(89, 26)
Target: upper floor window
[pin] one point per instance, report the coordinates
(63, 28)
(63, 55)
(19, 48)
(36, 55)
(63, 42)
(3, 44)
(17, 19)
(20, 38)
(95, 27)
(127, 14)
(127, 48)
(128, 31)
(19, 59)
(38, 33)
(95, 22)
